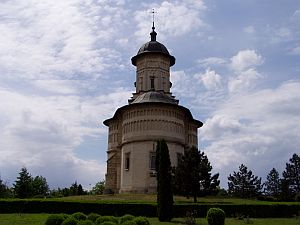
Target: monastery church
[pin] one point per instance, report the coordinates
(152, 113)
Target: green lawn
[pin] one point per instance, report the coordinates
(151, 198)
(39, 219)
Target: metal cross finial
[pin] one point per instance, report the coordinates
(153, 11)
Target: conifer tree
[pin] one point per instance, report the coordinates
(244, 184)
(23, 184)
(192, 176)
(164, 182)
(272, 185)
(291, 176)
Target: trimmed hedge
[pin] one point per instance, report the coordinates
(279, 210)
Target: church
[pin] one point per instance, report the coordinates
(152, 113)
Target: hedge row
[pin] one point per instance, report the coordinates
(149, 210)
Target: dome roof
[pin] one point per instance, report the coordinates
(153, 46)
(154, 96)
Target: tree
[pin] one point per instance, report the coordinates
(23, 184)
(244, 184)
(291, 176)
(99, 187)
(192, 176)
(273, 185)
(164, 182)
(40, 186)
(4, 190)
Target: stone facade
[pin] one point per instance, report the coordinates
(152, 114)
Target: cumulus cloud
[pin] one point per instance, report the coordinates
(42, 133)
(175, 18)
(210, 79)
(245, 75)
(245, 59)
(254, 128)
(55, 38)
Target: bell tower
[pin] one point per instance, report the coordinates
(152, 114)
(153, 62)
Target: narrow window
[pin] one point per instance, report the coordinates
(127, 160)
(152, 82)
(152, 161)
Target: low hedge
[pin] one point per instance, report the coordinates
(279, 210)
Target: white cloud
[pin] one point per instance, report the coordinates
(174, 18)
(244, 81)
(210, 79)
(56, 38)
(295, 51)
(244, 65)
(259, 129)
(249, 30)
(246, 59)
(211, 61)
(42, 133)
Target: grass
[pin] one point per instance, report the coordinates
(39, 219)
(151, 198)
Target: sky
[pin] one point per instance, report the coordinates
(65, 67)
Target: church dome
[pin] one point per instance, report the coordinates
(154, 96)
(153, 46)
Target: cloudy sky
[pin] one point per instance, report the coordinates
(65, 67)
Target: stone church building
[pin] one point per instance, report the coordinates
(152, 113)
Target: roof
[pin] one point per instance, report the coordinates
(153, 46)
(155, 96)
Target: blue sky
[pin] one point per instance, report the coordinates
(65, 67)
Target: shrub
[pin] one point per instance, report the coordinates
(215, 216)
(93, 217)
(102, 219)
(79, 216)
(141, 220)
(70, 221)
(125, 218)
(190, 218)
(85, 222)
(55, 219)
(108, 223)
(297, 197)
(129, 222)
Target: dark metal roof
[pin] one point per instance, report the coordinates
(154, 96)
(153, 46)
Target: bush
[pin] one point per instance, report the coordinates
(79, 216)
(297, 197)
(85, 222)
(141, 220)
(93, 217)
(126, 218)
(108, 223)
(129, 222)
(55, 220)
(215, 216)
(103, 219)
(70, 221)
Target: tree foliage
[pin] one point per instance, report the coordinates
(291, 176)
(273, 184)
(99, 187)
(164, 182)
(40, 186)
(192, 176)
(244, 184)
(4, 190)
(23, 185)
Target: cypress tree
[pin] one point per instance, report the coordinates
(164, 182)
